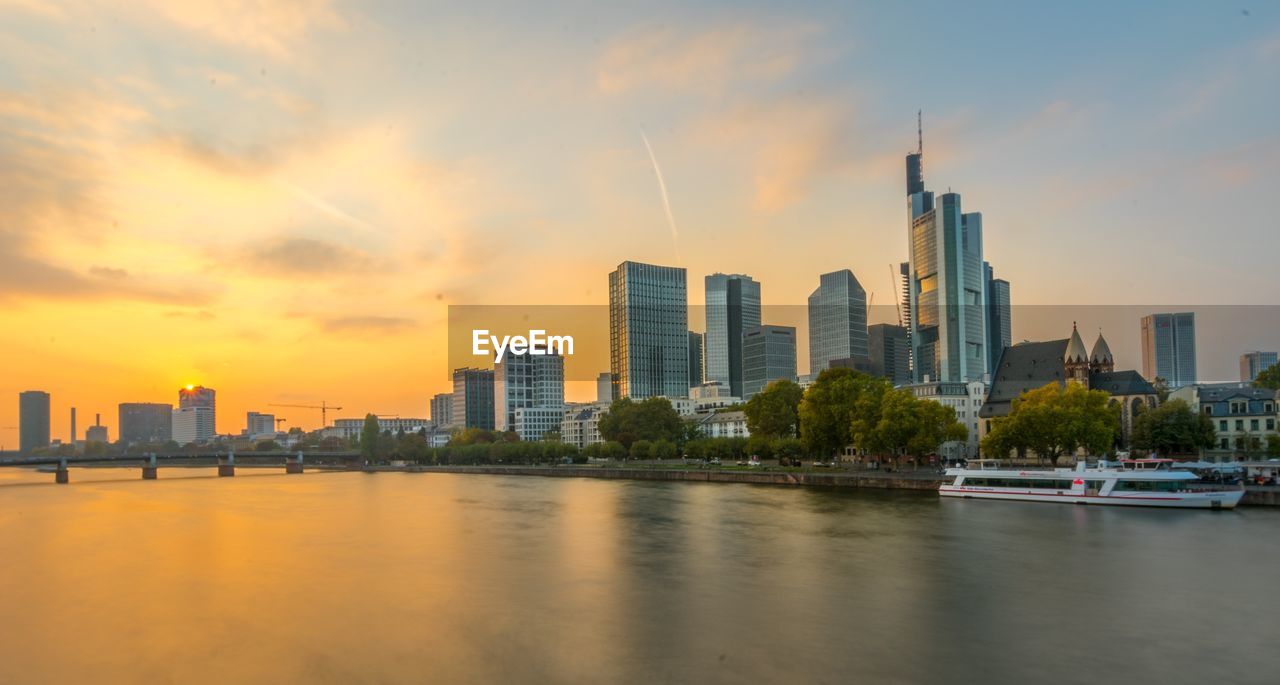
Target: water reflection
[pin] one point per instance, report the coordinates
(342, 577)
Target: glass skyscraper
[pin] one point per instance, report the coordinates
(648, 331)
(768, 354)
(1169, 348)
(999, 317)
(1254, 363)
(534, 383)
(946, 286)
(33, 420)
(837, 320)
(733, 306)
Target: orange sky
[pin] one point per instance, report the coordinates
(280, 202)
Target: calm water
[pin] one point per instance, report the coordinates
(387, 578)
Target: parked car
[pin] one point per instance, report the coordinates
(753, 462)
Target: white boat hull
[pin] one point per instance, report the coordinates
(1225, 499)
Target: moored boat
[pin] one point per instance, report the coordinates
(1130, 482)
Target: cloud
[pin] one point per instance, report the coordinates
(708, 61)
(271, 28)
(302, 256)
(365, 324)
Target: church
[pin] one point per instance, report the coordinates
(1030, 365)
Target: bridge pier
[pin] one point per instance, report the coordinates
(294, 466)
(62, 476)
(229, 468)
(149, 469)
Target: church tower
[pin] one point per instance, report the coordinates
(1100, 360)
(1076, 359)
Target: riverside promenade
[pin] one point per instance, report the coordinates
(921, 480)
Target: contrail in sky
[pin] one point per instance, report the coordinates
(662, 188)
(324, 206)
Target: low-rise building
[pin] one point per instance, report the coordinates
(1244, 417)
(350, 428)
(966, 399)
(722, 424)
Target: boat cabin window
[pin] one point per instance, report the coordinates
(1149, 485)
(1025, 483)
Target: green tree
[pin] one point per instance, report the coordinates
(1273, 445)
(901, 424)
(761, 446)
(662, 449)
(370, 438)
(650, 419)
(613, 450)
(788, 451)
(831, 405)
(1173, 428)
(1056, 420)
(1162, 389)
(266, 446)
(1269, 378)
(640, 449)
(775, 411)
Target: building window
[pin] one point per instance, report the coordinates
(1239, 424)
(1222, 425)
(1271, 424)
(1208, 410)
(1253, 424)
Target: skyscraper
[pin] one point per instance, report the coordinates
(947, 290)
(473, 398)
(33, 420)
(196, 419)
(733, 306)
(442, 410)
(768, 354)
(648, 331)
(258, 424)
(837, 320)
(696, 366)
(145, 422)
(890, 352)
(1169, 348)
(604, 387)
(1254, 363)
(528, 394)
(999, 317)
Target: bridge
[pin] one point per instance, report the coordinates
(150, 462)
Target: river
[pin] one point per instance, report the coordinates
(447, 578)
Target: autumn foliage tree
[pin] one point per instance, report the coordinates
(1055, 420)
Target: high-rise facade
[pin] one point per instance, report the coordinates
(999, 317)
(733, 306)
(442, 410)
(696, 359)
(604, 387)
(648, 331)
(145, 422)
(258, 424)
(528, 394)
(473, 398)
(890, 352)
(1254, 363)
(193, 424)
(837, 320)
(33, 420)
(768, 354)
(947, 292)
(1169, 348)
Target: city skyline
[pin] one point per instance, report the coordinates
(238, 214)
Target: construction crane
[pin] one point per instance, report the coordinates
(894, 278)
(278, 422)
(324, 408)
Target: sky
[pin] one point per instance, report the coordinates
(281, 200)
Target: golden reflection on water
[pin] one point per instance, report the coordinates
(349, 577)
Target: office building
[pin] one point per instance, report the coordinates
(33, 420)
(733, 306)
(696, 360)
(648, 331)
(442, 409)
(1169, 348)
(193, 424)
(946, 288)
(528, 394)
(73, 425)
(837, 320)
(350, 429)
(1254, 363)
(768, 354)
(145, 422)
(260, 425)
(580, 424)
(473, 398)
(890, 352)
(999, 316)
(604, 387)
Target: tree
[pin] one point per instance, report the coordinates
(775, 411)
(613, 450)
(899, 423)
(760, 445)
(266, 446)
(788, 451)
(370, 437)
(1273, 445)
(1173, 428)
(640, 449)
(1054, 420)
(1269, 378)
(650, 419)
(662, 449)
(830, 406)
(1161, 386)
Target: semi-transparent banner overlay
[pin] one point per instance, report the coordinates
(479, 334)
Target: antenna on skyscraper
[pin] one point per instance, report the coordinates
(920, 132)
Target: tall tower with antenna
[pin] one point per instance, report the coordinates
(915, 161)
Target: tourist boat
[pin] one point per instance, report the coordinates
(1130, 482)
